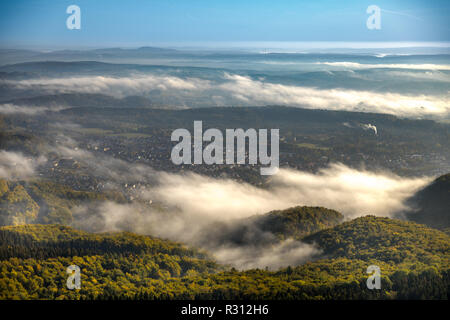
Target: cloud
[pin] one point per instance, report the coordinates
(197, 209)
(16, 166)
(286, 253)
(119, 87)
(202, 211)
(190, 207)
(14, 109)
(352, 192)
(404, 14)
(434, 75)
(114, 172)
(236, 89)
(189, 228)
(356, 65)
(263, 93)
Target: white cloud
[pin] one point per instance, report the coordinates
(350, 191)
(286, 253)
(195, 203)
(120, 86)
(16, 166)
(433, 75)
(242, 90)
(263, 93)
(14, 109)
(356, 65)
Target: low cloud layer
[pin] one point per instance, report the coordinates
(286, 253)
(259, 92)
(16, 166)
(25, 110)
(356, 65)
(236, 89)
(184, 207)
(189, 207)
(352, 192)
(115, 86)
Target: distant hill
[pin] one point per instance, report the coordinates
(432, 204)
(17, 55)
(132, 52)
(84, 100)
(60, 67)
(13, 55)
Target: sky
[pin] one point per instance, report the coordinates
(32, 23)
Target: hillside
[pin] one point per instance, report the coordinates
(34, 258)
(83, 100)
(42, 201)
(414, 263)
(432, 204)
(392, 241)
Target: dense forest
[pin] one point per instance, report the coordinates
(414, 263)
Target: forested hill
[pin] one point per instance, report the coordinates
(272, 227)
(414, 262)
(298, 221)
(388, 240)
(51, 241)
(431, 205)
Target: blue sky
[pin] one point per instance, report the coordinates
(31, 23)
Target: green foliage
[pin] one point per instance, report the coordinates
(34, 258)
(43, 202)
(392, 241)
(298, 221)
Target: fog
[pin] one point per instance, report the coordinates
(15, 166)
(260, 92)
(234, 89)
(190, 207)
(352, 192)
(115, 86)
(356, 65)
(25, 110)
